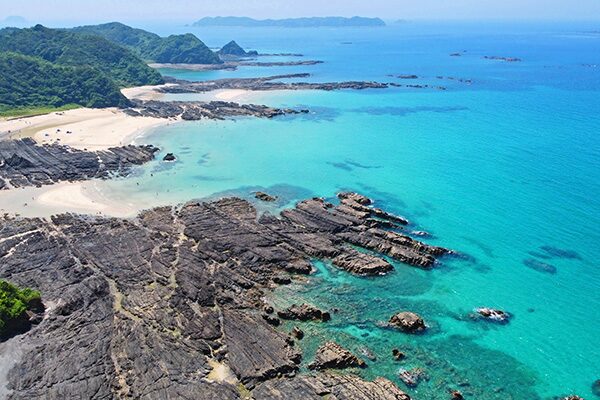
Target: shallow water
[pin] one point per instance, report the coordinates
(504, 170)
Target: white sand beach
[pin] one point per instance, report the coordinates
(84, 197)
(82, 128)
(93, 130)
(144, 92)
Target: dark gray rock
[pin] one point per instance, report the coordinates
(196, 110)
(408, 322)
(266, 83)
(330, 386)
(297, 333)
(304, 312)
(332, 355)
(141, 307)
(169, 157)
(265, 197)
(493, 315)
(412, 377)
(507, 59)
(25, 163)
(362, 263)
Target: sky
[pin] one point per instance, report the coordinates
(49, 11)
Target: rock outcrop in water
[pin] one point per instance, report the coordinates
(408, 322)
(197, 110)
(144, 307)
(25, 163)
(507, 59)
(412, 377)
(266, 83)
(304, 312)
(332, 355)
(493, 315)
(262, 196)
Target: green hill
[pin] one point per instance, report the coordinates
(232, 49)
(186, 48)
(31, 82)
(79, 50)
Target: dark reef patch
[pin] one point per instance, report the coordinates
(540, 266)
(208, 178)
(340, 165)
(556, 252)
(350, 165)
(363, 166)
(404, 111)
(487, 250)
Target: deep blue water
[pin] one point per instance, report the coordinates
(505, 170)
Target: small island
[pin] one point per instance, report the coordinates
(309, 22)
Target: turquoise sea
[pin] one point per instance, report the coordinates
(505, 170)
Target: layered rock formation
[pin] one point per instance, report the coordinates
(266, 83)
(304, 312)
(25, 163)
(408, 322)
(196, 110)
(493, 315)
(148, 307)
(332, 355)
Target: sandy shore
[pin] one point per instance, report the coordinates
(84, 197)
(91, 129)
(83, 128)
(237, 95)
(86, 129)
(144, 92)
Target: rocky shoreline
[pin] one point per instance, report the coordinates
(264, 84)
(232, 65)
(196, 110)
(143, 307)
(25, 163)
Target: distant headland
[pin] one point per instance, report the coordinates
(308, 22)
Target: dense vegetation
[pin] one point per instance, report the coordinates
(42, 68)
(290, 22)
(81, 50)
(14, 302)
(186, 49)
(33, 82)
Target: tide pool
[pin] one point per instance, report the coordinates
(504, 170)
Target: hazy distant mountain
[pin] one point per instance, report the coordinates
(14, 21)
(291, 22)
